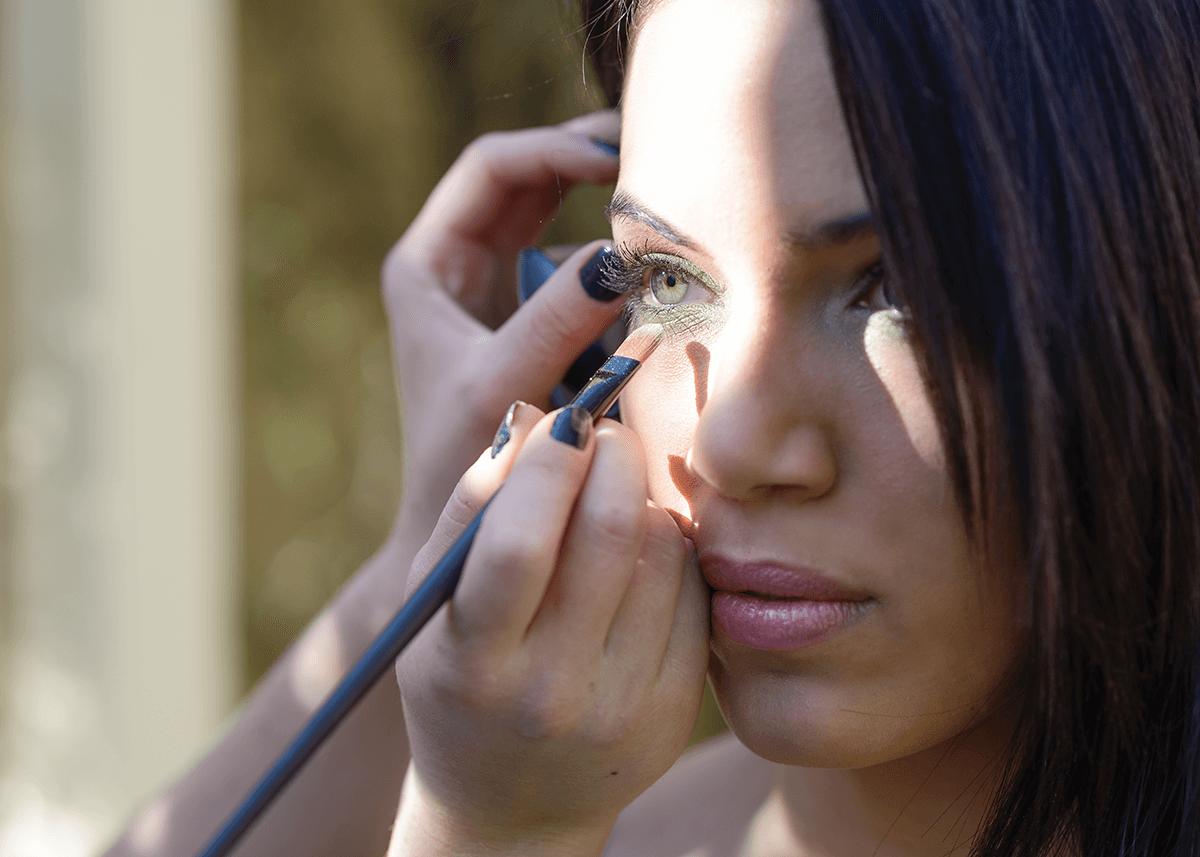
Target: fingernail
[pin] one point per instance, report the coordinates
(572, 426)
(533, 268)
(609, 149)
(593, 275)
(504, 433)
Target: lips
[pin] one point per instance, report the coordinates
(774, 581)
(773, 607)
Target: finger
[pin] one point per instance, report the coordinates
(475, 488)
(640, 631)
(501, 192)
(559, 253)
(602, 545)
(600, 125)
(556, 324)
(686, 657)
(518, 544)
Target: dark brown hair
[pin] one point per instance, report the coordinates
(1034, 168)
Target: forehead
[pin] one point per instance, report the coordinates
(731, 122)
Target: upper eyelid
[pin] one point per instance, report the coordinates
(647, 258)
(679, 263)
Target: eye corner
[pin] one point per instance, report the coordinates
(874, 290)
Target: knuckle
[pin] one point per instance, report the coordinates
(548, 711)
(465, 502)
(401, 277)
(480, 686)
(613, 523)
(506, 547)
(484, 150)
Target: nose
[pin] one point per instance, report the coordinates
(766, 427)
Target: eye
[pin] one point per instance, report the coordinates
(876, 292)
(666, 286)
(668, 281)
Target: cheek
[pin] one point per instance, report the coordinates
(661, 404)
(895, 365)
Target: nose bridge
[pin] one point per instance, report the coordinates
(765, 424)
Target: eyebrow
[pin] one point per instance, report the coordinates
(831, 233)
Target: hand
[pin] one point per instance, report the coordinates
(449, 288)
(565, 675)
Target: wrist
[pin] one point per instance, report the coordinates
(426, 827)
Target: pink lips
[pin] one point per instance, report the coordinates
(778, 608)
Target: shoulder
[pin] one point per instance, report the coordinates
(704, 804)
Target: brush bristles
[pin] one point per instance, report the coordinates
(641, 343)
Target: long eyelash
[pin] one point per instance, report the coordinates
(626, 268)
(626, 272)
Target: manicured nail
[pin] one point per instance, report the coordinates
(504, 433)
(533, 268)
(572, 425)
(593, 275)
(609, 149)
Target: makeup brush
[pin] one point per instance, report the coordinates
(597, 396)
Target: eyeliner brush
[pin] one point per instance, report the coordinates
(597, 396)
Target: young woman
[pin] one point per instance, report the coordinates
(912, 475)
(928, 409)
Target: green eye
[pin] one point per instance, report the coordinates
(666, 286)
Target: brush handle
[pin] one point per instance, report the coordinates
(433, 592)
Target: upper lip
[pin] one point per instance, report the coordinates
(774, 579)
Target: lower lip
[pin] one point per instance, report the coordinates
(780, 625)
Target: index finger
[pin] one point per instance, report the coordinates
(506, 185)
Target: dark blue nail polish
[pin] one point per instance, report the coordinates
(607, 148)
(572, 426)
(504, 433)
(533, 268)
(593, 275)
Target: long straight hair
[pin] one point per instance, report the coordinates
(1034, 170)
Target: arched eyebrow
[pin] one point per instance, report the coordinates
(831, 233)
(625, 206)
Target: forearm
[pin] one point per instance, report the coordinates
(344, 799)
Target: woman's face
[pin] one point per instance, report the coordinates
(784, 413)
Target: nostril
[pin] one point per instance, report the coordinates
(682, 475)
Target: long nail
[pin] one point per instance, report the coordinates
(610, 149)
(533, 268)
(504, 433)
(593, 275)
(572, 426)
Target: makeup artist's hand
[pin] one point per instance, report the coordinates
(566, 673)
(462, 353)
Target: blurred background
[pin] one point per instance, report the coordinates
(200, 435)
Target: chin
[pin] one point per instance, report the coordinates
(810, 721)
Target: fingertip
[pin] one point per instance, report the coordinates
(594, 275)
(572, 426)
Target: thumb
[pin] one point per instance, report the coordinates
(559, 321)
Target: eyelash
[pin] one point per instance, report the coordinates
(629, 265)
(877, 276)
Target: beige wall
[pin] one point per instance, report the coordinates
(120, 656)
